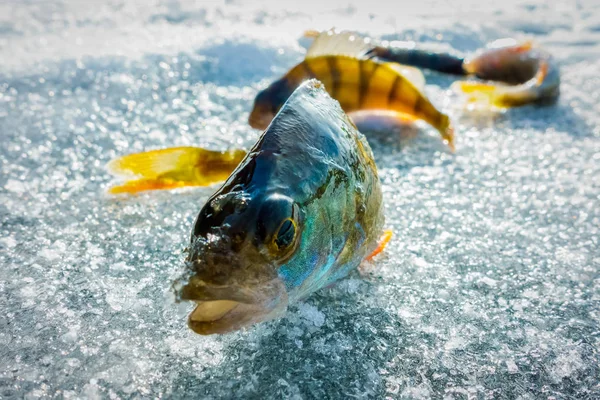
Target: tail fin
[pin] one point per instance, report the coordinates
(447, 131)
(540, 76)
(173, 167)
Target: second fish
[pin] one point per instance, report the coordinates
(358, 82)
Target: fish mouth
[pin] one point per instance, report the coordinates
(222, 316)
(259, 121)
(230, 308)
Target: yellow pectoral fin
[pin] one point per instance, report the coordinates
(155, 163)
(173, 167)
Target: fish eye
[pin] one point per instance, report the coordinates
(286, 234)
(279, 225)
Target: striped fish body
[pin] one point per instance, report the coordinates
(367, 85)
(358, 84)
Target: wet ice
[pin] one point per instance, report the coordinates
(488, 289)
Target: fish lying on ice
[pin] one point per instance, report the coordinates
(529, 73)
(515, 72)
(342, 62)
(301, 210)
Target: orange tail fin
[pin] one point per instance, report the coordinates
(542, 73)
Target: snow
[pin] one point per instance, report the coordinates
(489, 288)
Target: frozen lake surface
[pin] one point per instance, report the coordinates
(489, 289)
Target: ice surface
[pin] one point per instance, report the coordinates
(489, 289)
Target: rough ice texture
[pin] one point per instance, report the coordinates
(489, 289)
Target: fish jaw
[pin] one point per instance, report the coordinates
(230, 308)
(232, 289)
(260, 119)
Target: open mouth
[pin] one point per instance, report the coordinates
(227, 309)
(210, 311)
(221, 316)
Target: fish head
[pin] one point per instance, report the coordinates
(268, 102)
(238, 244)
(504, 60)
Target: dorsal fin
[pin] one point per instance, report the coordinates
(414, 75)
(335, 43)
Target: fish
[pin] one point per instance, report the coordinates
(509, 73)
(525, 73)
(301, 211)
(341, 61)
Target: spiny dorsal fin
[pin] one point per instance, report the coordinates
(335, 43)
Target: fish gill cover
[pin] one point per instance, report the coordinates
(490, 287)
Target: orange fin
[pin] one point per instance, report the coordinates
(173, 167)
(511, 45)
(542, 73)
(523, 47)
(383, 242)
